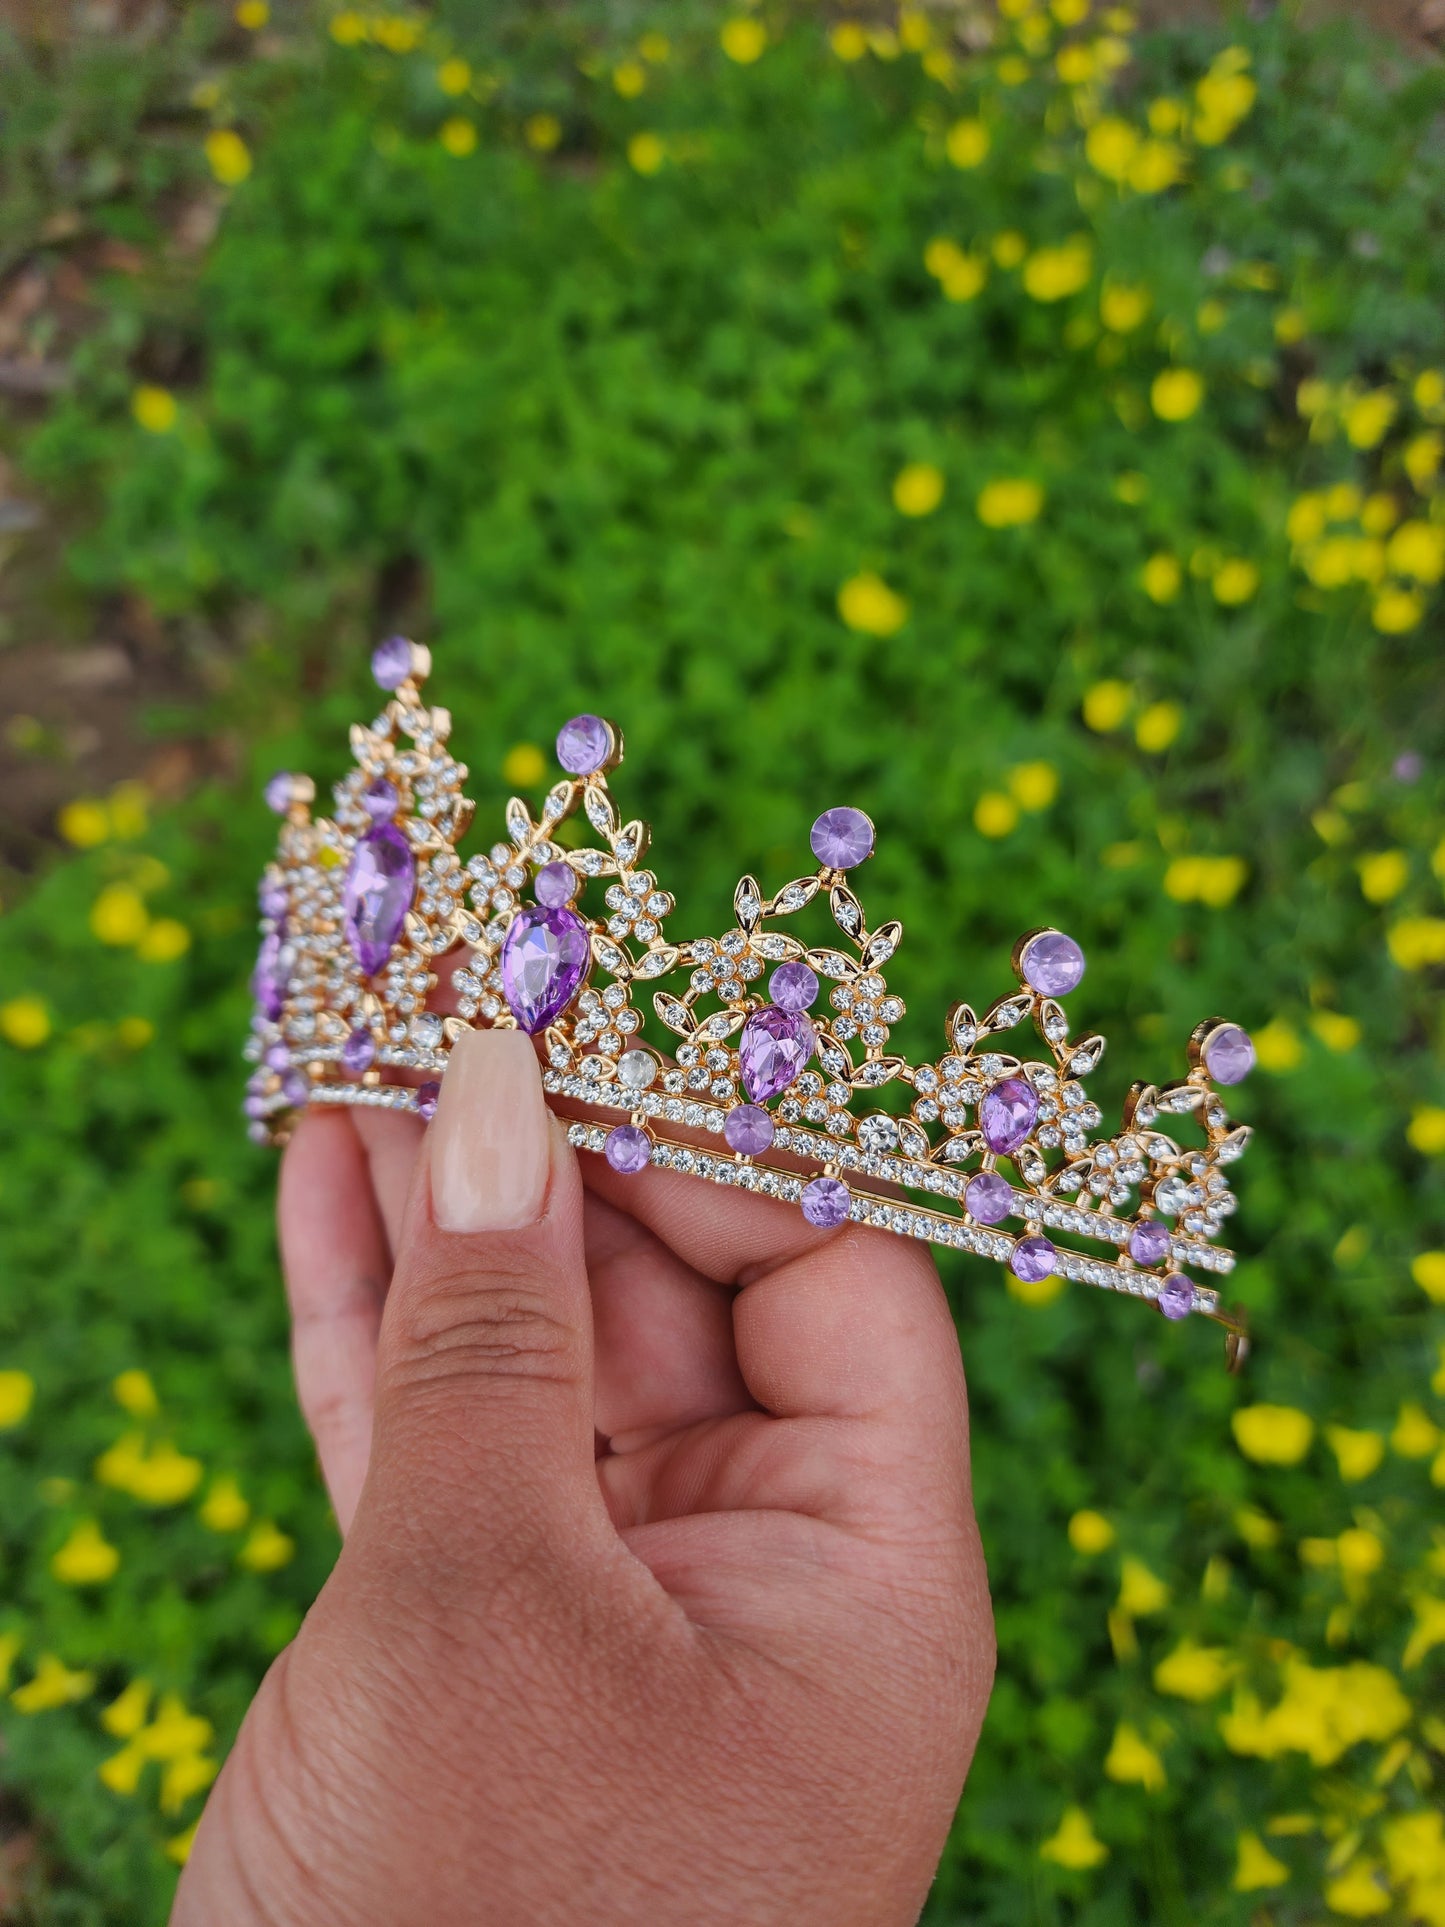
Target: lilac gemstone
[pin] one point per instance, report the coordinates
(793, 986)
(628, 1149)
(825, 1203)
(277, 1058)
(273, 900)
(1052, 964)
(278, 791)
(255, 1106)
(268, 979)
(1007, 1114)
(1033, 1259)
(545, 955)
(774, 1047)
(358, 1053)
(380, 882)
(380, 799)
(392, 662)
(842, 838)
(1176, 1297)
(989, 1198)
(1149, 1241)
(583, 745)
(295, 1088)
(1228, 1055)
(426, 1099)
(556, 884)
(748, 1129)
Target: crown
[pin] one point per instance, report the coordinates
(772, 1083)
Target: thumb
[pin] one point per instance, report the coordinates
(484, 1396)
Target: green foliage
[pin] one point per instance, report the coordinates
(615, 436)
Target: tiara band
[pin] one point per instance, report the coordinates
(358, 908)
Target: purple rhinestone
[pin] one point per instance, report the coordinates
(268, 979)
(825, 1203)
(1032, 1259)
(391, 662)
(295, 1088)
(1228, 1055)
(1052, 964)
(426, 1099)
(358, 1053)
(774, 1047)
(277, 1058)
(748, 1129)
(583, 745)
(377, 894)
(1149, 1241)
(628, 1149)
(545, 955)
(842, 838)
(255, 1106)
(793, 986)
(556, 884)
(273, 900)
(1176, 1297)
(989, 1198)
(278, 791)
(1007, 1114)
(380, 799)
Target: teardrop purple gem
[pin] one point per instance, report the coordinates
(380, 883)
(774, 1047)
(545, 955)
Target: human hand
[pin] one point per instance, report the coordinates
(661, 1599)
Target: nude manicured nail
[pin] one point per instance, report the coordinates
(490, 1143)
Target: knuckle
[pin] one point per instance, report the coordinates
(464, 1324)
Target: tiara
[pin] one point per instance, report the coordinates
(763, 1089)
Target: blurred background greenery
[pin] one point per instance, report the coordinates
(1025, 424)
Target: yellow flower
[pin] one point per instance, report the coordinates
(967, 143)
(1426, 1129)
(646, 153)
(1193, 1672)
(1009, 504)
(1235, 581)
(224, 1509)
(1122, 307)
(523, 763)
(87, 1558)
(1290, 326)
(1051, 274)
(966, 277)
(1278, 1047)
(164, 941)
(397, 35)
(135, 1394)
(629, 79)
(1334, 1030)
(1075, 1845)
(25, 1022)
(1367, 419)
(1212, 880)
(1429, 390)
(1012, 71)
(1415, 942)
(162, 1476)
(1033, 786)
(267, 1548)
(655, 48)
(1090, 1533)
(128, 810)
(1132, 487)
(1415, 1435)
(1034, 1291)
(458, 136)
(1009, 248)
(867, 604)
(118, 915)
(156, 411)
(914, 29)
(543, 132)
(1422, 458)
(1272, 1434)
(1256, 1866)
(1256, 1528)
(1322, 1713)
(1157, 727)
(1384, 874)
(1222, 99)
(178, 1847)
(1176, 394)
(1379, 514)
(1428, 1271)
(1358, 1892)
(125, 1716)
(848, 40)
(17, 1395)
(1417, 550)
(185, 1776)
(1429, 1630)
(1133, 1762)
(743, 40)
(84, 823)
(918, 489)
(121, 1772)
(53, 1684)
(348, 28)
(1106, 705)
(454, 76)
(1069, 13)
(1306, 519)
(995, 814)
(252, 14)
(1140, 1593)
(1158, 165)
(174, 1732)
(1110, 146)
(229, 156)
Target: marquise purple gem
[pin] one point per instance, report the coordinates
(268, 979)
(380, 882)
(1176, 1296)
(842, 838)
(545, 955)
(358, 1052)
(1007, 1114)
(1033, 1259)
(380, 799)
(1149, 1241)
(989, 1198)
(793, 986)
(583, 745)
(748, 1129)
(1052, 964)
(774, 1046)
(1229, 1055)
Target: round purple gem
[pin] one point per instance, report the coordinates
(1032, 1259)
(1007, 1114)
(1228, 1054)
(391, 662)
(1176, 1296)
(774, 1046)
(273, 900)
(825, 1203)
(380, 799)
(842, 838)
(295, 1088)
(358, 1053)
(628, 1149)
(426, 1099)
(793, 986)
(555, 884)
(1052, 964)
(583, 745)
(989, 1198)
(278, 791)
(255, 1106)
(1149, 1241)
(277, 1058)
(269, 978)
(749, 1129)
(545, 955)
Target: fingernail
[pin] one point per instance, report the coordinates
(490, 1143)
